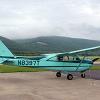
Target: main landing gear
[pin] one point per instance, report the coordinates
(58, 74)
(69, 76)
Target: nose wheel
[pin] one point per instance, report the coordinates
(58, 74)
(83, 75)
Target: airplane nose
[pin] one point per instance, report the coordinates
(91, 62)
(88, 61)
(95, 59)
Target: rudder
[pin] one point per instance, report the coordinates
(4, 51)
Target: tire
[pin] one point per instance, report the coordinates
(69, 76)
(58, 74)
(83, 75)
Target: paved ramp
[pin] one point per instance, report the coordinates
(45, 86)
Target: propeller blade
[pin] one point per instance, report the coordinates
(95, 59)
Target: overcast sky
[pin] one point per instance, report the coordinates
(33, 18)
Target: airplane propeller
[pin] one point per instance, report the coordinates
(95, 59)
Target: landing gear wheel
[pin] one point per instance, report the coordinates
(83, 75)
(58, 74)
(69, 76)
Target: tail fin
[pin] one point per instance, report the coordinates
(4, 51)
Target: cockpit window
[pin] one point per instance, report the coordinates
(59, 58)
(73, 58)
(64, 58)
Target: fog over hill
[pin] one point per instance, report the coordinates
(49, 44)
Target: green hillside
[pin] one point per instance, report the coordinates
(56, 44)
(48, 44)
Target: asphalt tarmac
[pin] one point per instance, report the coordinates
(45, 86)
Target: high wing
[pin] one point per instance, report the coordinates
(85, 50)
(79, 51)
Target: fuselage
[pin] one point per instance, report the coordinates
(52, 64)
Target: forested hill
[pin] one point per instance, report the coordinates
(56, 44)
(49, 44)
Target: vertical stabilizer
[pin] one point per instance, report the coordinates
(4, 51)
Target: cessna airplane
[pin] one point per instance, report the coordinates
(61, 62)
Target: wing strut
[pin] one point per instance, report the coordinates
(80, 63)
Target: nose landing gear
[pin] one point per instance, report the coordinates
(69, 76)
(83, 75)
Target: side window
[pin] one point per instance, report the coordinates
(65, 58)
(56, 58)
(71, 58)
